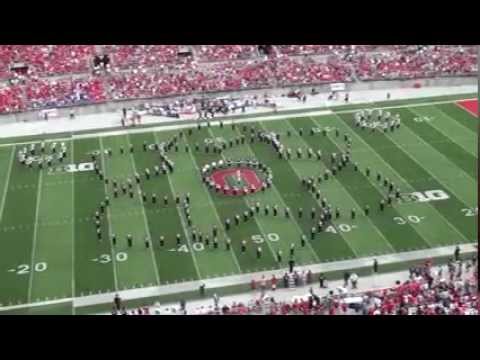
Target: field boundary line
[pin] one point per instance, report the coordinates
(145, 221)
(36, 304)
(112, 251)
(38, 140)
(7, 183)
(132, 294)
(35, 235)
(465, 109)
(430, 103)
(408, 183)
(234, 256)
(246, 278)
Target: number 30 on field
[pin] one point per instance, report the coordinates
(414, 219)
(106, 258)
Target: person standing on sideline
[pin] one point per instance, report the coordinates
(375, 266)
(291, 264)
(118, 302)
(273, 282)
(346, 276)
(263, 285)
(321, 280)
(216, 300)
(354, 280)
(456, 253)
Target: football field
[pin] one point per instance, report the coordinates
(50, 248)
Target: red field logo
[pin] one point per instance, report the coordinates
(469, 105)
(237, 177)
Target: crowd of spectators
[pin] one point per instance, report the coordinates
(416, 62)
(451, 289)
(149, 71)
(443, 290)
(46, 60)
(291, 71)
(226, 52)
(128, 56)
(11, 99)
(42, 93)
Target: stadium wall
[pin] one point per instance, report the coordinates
(116, 106)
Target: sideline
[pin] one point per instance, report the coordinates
(101, 132)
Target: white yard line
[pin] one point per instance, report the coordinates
(428, 171)
(338, 182)
(460, 124)
(35, 234)
(147, 228)
(7, 182)
(442, 131)
(368, 219)
(404, 181)
(73, 225)
(184, 226)
(279, 196)
(36, 304)
(37, 141)
(234, 256)
(108, 215)
(434, 124)
(264, 234)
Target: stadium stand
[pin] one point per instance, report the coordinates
(415, 62)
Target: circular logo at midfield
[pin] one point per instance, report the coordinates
(237, 177)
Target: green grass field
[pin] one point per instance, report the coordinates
(48, 243)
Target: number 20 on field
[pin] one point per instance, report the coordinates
(24, 269)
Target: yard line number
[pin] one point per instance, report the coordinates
(414, 219)
(198, 246)
(107, 258)
(24, 269)
(258, 239)
(421, 119)
(430, 195)
(340, 228)
(317, 130)
(470, 211)
(216, 140)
